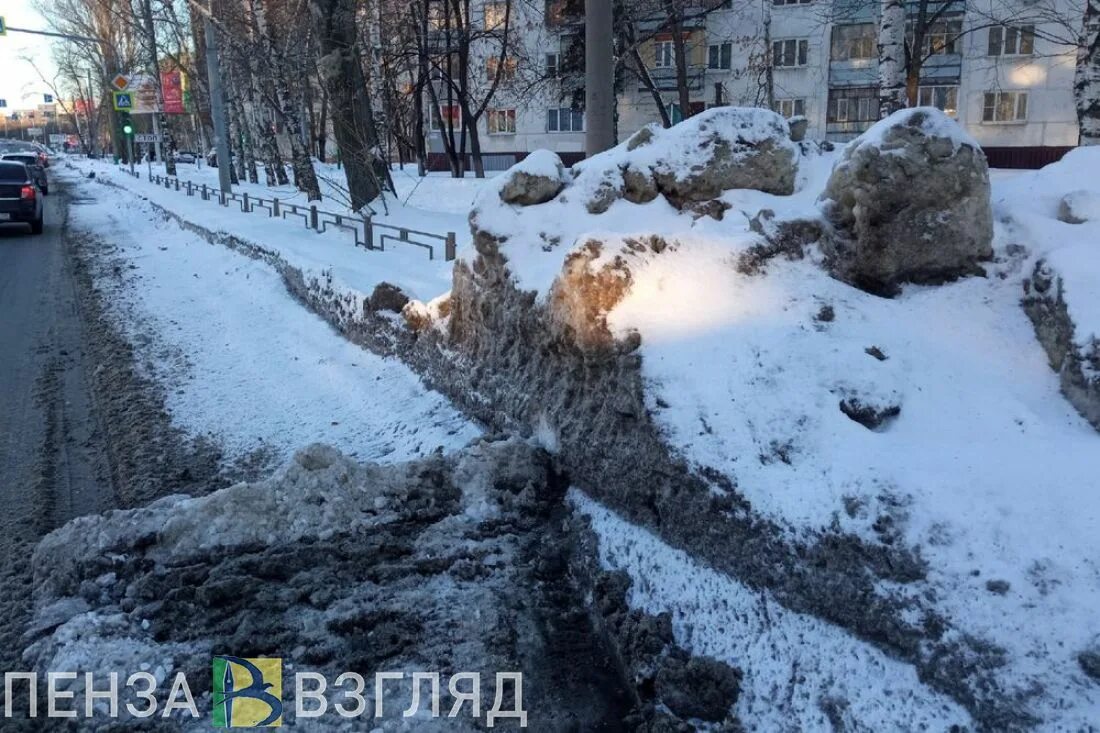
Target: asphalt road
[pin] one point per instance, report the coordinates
(53, 465)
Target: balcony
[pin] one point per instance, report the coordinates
(942, 68)
(853, 73)
(664, 77)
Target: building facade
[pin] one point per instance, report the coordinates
(1003, 68)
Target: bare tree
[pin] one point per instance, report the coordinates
(1086, 81)
(335, 23)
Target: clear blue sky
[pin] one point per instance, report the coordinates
(19, 84)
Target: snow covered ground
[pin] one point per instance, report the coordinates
(987, 469)
(332, 254)
(801, 674)
(240, 359)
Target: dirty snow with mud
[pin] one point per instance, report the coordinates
(244, 363)
(987, 468)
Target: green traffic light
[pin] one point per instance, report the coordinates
(128, 129)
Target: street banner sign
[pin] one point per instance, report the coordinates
(147, 137)
(120, 82)
(124, 101)
(34, 131)
(171, 83)
(58, 137)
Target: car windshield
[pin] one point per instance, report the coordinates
(22, 158)
(12, 172)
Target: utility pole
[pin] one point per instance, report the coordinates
(217, 105)
(88, 114)
(599, 77)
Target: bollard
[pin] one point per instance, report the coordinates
(189, 191)
(368, 232)
(177, 184)
(205, 194)
(244, 202)
(449, 248)
(313, 216)
(275, 208)
(221, 198)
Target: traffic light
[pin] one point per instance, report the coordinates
(125, 123)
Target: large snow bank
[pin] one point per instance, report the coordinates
(977, 463)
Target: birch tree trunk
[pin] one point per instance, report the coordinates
(891, 57)
(1086, 81)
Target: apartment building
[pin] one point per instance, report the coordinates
(1003, 68)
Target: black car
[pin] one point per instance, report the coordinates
(34, 165)
(20, 199)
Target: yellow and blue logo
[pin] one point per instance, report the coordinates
(248, 693)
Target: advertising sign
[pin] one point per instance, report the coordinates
(171, 83)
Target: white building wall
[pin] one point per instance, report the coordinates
(1046, 75)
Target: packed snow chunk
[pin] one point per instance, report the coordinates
(534, 180)
(718, 150)
(721, 149)
(595, 278)
(1063, 302)
(1077, 207)
(909, 202)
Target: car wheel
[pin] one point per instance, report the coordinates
(36, 226)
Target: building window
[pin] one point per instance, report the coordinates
(501, 121)
(942, 98)
(1009, 41)
(1004, 107)
(941, 38)
(791, 2)
(552, 65)
(790, 107)
(494, 15)
(507, 72)
(791, 52)
(560, 12)
(857, 105)
(452, 114)
(720, 56)
(851, 42)
(663, 54)
(564, 119)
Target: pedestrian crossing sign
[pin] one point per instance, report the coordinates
(124, 101)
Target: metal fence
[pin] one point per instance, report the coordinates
(367, 233)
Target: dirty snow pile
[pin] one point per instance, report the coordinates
(929, 420)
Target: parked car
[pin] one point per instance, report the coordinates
(19, 195)
(186, 156)
(31, 160)
(23, 146)
(212, 158)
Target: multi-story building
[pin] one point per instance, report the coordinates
(1003, 68)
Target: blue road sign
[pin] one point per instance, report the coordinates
(3, 103)
(47, 99)
(124, 101)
